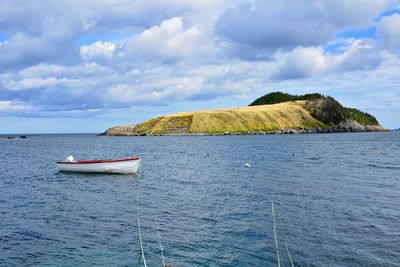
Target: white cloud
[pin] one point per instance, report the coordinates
(360, 55)
(98, 50)
(45, 70)
(121, 93)
(170, 41)
(47, 31)
(10, 106)
(32, 83)
(53, 40)
(155, 91)
(303, 62)
(389, 29)
(299, 63)
(266, 25)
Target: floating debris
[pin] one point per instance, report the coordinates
(247, 165)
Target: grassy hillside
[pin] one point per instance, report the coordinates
(266, 118)
(283, 113)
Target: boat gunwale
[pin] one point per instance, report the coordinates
(93, 161)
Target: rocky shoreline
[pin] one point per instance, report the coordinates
(13, 137)
(350, 127)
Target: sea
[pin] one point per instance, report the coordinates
(262, 200)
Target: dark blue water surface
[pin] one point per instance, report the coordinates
(336, 200)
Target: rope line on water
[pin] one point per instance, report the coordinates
(138, 216)
(286, 243)
(276, 239)
(285, 212)
(161, 249)
(159, 240)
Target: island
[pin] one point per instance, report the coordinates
(274, 113)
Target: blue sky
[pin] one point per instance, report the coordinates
(84, 66)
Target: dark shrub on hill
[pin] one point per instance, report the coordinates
(279, 97)
(329, 111)
(361, 117)
(324, 108)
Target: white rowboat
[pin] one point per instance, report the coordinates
(125, 165)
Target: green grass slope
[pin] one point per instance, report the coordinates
(273, 113)
(265, 118)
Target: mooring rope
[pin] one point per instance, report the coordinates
(138, 215)
(286, 243)
(159, 239)
(161, 249)
(276, 239)
(285, 211)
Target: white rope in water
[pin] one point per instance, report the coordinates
(138, 216)
(159, 239)
(161, 249)
(286, 243)
(276, 239)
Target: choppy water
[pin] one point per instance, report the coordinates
(336, 198)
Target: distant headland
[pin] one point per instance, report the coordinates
(273, 113)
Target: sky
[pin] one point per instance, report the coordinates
(84, 66)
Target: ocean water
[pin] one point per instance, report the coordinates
(336, 201)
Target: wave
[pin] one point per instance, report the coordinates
(394, 167)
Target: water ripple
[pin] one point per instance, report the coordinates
(336, 195)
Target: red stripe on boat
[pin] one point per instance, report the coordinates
(96, 161)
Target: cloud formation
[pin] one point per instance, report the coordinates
(97, 50)
(303, 62)
(275, 25)
(389, 30)
(169, 41)
(92, 58)
(10, 106)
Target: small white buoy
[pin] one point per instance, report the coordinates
(247, 165)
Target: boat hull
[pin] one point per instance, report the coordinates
(122, 166)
